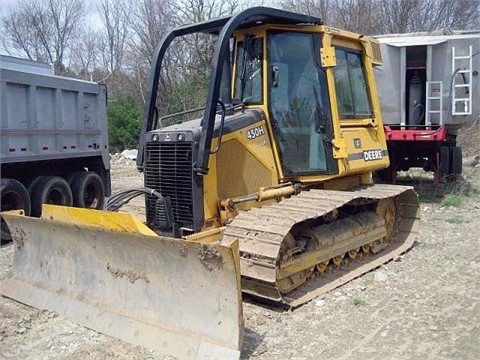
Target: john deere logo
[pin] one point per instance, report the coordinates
(370, 155)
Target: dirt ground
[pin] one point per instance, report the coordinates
(424, 305)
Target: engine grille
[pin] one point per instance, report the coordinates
(168, 169)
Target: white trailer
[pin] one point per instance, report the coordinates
(428, 89)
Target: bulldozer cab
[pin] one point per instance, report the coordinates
(290, 101)
(315, 96)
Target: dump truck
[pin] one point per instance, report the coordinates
(428, 89)
(268, 193)
(54, 140)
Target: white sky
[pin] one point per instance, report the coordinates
(6, 6)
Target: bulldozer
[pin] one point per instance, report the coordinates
(268, 192)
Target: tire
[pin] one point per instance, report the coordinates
(444, 160)
(455, 160)
(13, 196)
(88, 190)
(34, 182)
(50, 190)
(71, 176)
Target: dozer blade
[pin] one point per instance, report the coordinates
(109, 272)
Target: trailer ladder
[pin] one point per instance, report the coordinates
(462, 100)
(434, 102)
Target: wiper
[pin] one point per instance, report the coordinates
(247, 44)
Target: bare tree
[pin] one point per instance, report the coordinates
(446, 14)
(187, 64)
(361, 16)
(401, 16)
(44, 30)
(192, 11)
(115, 15)
(150, 21)
(391, 16)
(19, 39)
(324, 9)
(193, 54)
(85, 54)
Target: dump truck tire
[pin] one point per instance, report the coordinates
(13, 196)
(50, 190)
(31, 184)
(88, 190)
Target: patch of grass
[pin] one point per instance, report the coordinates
(455, 220)
(453, 191)
(429, 196)
(358, 302)
(460, 186)
(453, 200)
(456, 192)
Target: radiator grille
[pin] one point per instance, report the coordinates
(168, 169)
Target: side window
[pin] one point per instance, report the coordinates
(351, 86)
(248, 77)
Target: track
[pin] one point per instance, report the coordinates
(286, 247)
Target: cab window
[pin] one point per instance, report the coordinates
(351, 86)
(248, 76)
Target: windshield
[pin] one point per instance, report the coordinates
(299, 103)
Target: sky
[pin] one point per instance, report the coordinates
(6, 6)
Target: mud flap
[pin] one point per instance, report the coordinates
(109, 272)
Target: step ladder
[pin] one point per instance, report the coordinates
(434, 105)
(462, 83)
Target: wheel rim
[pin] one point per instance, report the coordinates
(56, 197)
(92, 196)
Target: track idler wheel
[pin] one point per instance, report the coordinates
(337, 260)
(287, 284)
(386, 208)
(352, 254)
(321, 267)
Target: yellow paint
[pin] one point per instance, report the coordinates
(113, 221)
(240, 167)
(328, 56)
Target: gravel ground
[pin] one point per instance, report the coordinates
(424, 305)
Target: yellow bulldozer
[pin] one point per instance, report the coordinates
(269, 192)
